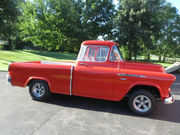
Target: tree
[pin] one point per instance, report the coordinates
(169, 35)
(64, 24)
(8, 18)
(137, 23)
(98, 17)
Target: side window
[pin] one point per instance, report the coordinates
(102, 54)
(91, 52)
(96, 53)
(114, 55)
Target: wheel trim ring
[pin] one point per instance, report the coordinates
(38, 90)
(142, 105)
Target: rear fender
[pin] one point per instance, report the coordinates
(37, 78)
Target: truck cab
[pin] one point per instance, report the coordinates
(95, 68)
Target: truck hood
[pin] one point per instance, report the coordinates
(143, 66)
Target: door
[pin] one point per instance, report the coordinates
(94, 73)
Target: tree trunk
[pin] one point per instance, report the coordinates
(135, 51)
(71, 50)
(130, 56)
(130, 53)
(61, 50)
(135, 55)
(9, 44)
(148, 56)
(164, 58)
(159, 58)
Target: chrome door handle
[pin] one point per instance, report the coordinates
(81, 63)
(123, 79)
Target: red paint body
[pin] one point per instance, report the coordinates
(94, 79)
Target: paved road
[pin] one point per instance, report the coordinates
(65, 115)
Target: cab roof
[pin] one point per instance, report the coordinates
(97, 42)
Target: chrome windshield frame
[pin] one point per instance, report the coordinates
(115, 47)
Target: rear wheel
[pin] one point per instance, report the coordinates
(39, 90)
(142, 102)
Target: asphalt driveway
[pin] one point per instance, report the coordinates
(65, 115)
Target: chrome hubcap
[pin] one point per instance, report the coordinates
(38, 90)
(142, 103)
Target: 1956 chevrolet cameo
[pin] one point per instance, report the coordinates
(99, 72)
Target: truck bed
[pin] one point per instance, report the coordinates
(55, 74)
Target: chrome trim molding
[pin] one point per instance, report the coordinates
(169, 100)
(131, 75)
(57, 63)
(71, 80)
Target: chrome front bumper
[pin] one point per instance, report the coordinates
(8, 80)
(169, 100)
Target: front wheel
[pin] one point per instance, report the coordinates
(142, 102)
(39, 90)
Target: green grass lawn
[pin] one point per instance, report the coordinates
(163, 64)
(155, 60)
(7, 57)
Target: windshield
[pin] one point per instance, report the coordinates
(93, 53)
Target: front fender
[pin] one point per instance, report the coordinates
(145, 83)
(127, 87)
(163, 92)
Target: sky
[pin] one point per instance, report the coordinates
(175, 3)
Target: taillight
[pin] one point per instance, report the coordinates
(9, 66)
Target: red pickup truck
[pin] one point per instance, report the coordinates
(99, 72)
